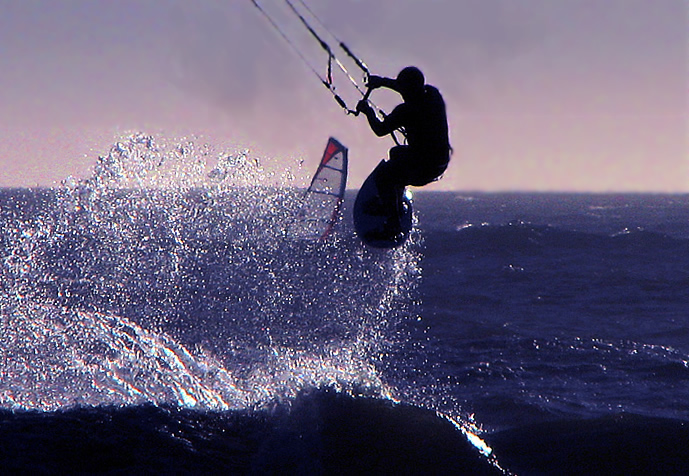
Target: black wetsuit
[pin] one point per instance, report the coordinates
(427, 153)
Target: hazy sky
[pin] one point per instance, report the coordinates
(576, 95)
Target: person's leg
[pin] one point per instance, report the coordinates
(395, 174)
(392, 179)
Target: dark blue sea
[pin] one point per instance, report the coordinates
(157, 318)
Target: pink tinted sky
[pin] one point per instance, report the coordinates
(572, 95)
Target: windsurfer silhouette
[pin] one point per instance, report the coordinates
(423, 120)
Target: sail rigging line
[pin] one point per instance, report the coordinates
(326, 81)
(360, 63)
(328, 49)
(349, 53)
(292, 45)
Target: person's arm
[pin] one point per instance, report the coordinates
(375, 82)
(380, 128)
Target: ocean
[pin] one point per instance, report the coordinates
(157, 318)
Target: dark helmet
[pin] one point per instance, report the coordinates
(410, 80)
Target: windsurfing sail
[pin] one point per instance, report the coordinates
(321, 202)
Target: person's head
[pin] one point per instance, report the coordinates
(410, 82)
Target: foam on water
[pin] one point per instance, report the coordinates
(167, 277)
(55, 358)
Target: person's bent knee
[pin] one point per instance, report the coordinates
(399, 152)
